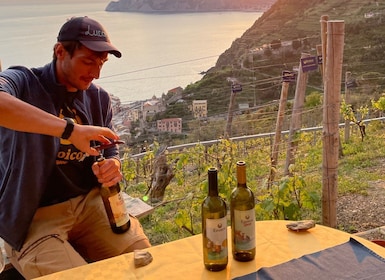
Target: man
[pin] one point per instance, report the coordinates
(51, 215)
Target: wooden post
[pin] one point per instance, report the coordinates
(321, 67)
(331, 114)
(278, 129)
(296, 116)
(230, 115)
(324, 37)
(324, 20)
(137, 171)
(347, 100)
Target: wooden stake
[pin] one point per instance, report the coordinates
(278, 130)
(321, 67)
(324, 37)
(230, 115)
(347, 100)
(331, 114)
(296, 116)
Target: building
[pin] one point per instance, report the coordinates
(177, 90)
(199, 109)
(174, 95)
(135, 114)
(151, 107)
(173, 125)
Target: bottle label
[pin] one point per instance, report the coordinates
(118, 209)
(244, 229)
(216, 232)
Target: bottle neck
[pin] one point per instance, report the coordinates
(213, 182)
(241, 174)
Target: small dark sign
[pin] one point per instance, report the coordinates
(351, 84)
(236, 88)
(320, 60)
(309, 63)
(289, 76)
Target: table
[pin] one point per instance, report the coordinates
(182, 259)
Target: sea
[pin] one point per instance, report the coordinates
(160, 51)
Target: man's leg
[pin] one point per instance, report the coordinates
(44, 256)
(93, 238)
(46, 249)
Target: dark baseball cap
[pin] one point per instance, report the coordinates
(89, 32)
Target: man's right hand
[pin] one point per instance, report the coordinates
(82, 135)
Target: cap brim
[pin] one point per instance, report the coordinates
(101, 46)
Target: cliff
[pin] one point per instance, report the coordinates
(183, 6)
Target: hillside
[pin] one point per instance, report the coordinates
(275, 43)
(177, 6)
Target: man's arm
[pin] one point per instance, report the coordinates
(21, 116)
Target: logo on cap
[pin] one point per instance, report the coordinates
(95, 32)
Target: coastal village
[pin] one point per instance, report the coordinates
(140, 115)
(132, 119)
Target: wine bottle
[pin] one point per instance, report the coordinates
(115, 206)
(242, 214)
(214, 226)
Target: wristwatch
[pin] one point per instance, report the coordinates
(68, 129)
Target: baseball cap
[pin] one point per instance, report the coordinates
(89, 32)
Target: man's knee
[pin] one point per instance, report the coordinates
(44, 256)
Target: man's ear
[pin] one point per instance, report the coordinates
(59, 50)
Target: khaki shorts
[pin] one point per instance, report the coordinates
(70, 234)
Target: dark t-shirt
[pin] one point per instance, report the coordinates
(72, 174)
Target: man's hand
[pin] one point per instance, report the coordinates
(82, 135)
(108, 172)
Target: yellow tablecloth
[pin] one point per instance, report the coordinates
(182, 259)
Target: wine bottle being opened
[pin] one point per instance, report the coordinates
(115, 206)
(242, 212)
(214, 226)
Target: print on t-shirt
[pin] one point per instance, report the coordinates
(68, 152)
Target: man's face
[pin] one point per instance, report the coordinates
(77, 72)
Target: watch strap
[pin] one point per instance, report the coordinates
(68, 129)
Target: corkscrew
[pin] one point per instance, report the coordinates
(104, 146)
(100, 148)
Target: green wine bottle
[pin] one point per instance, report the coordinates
(214, 226)
(242, 213)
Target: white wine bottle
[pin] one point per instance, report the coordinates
(115, 206)
(214, 226)
(242, 212)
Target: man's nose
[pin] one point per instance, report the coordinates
(95, 72)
